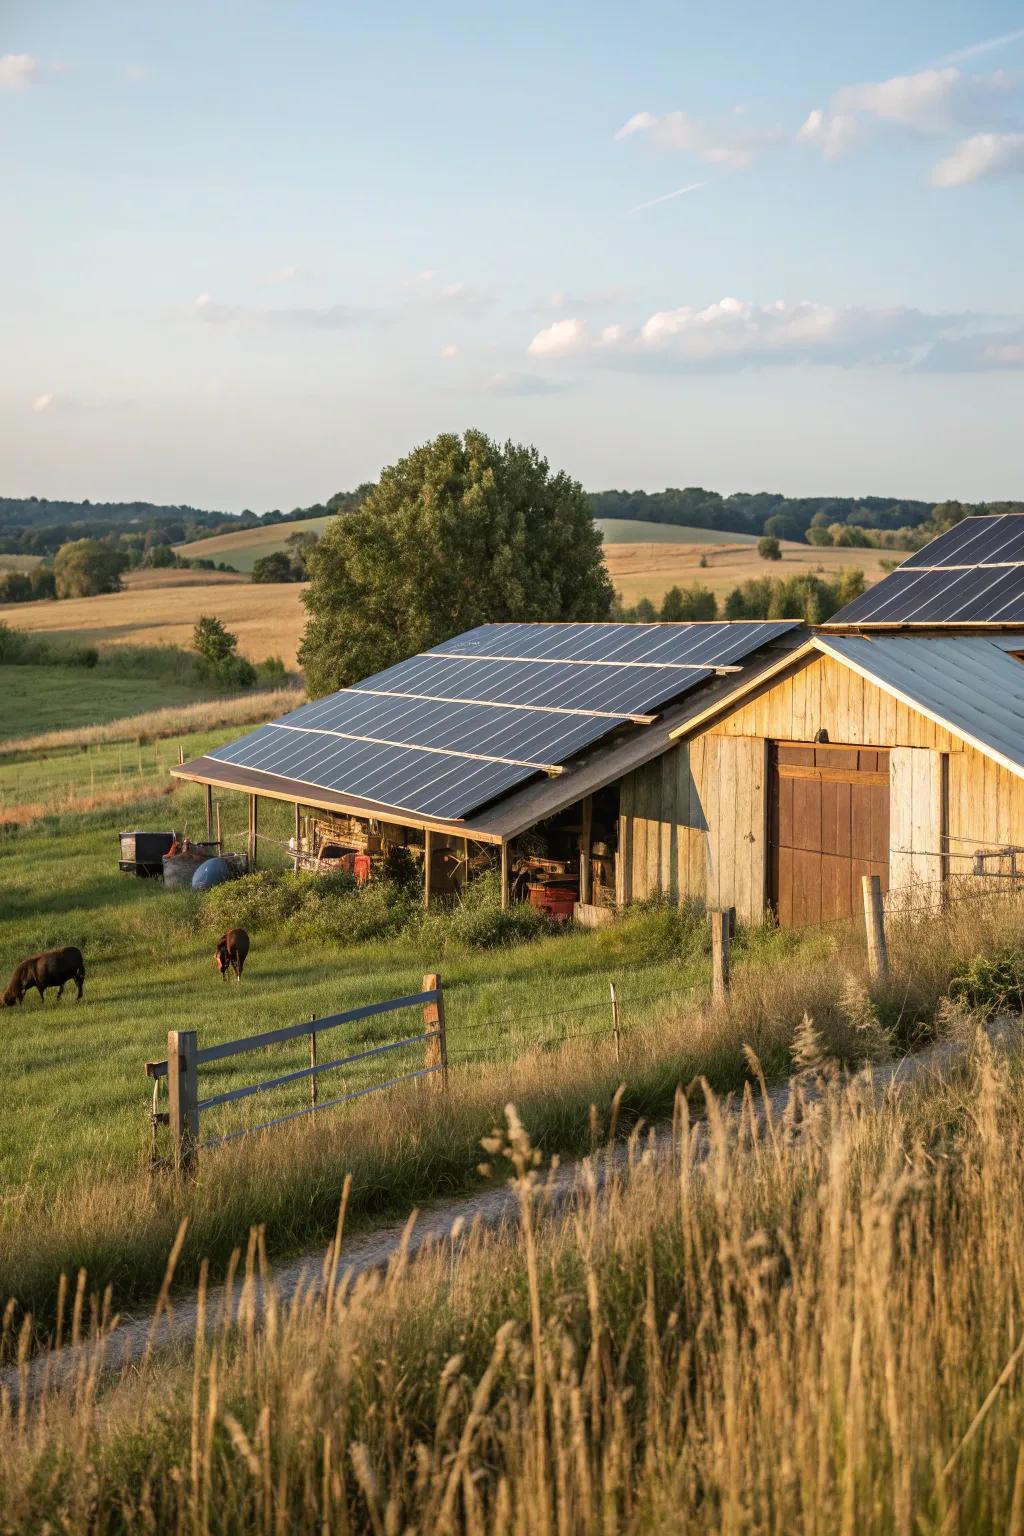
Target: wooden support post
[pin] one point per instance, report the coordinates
(428, 850)
(181, 754)
(253, 830)
(312, 1062)
(297, 835)
(585, 833)
(504, 876)
(721, 924)
(220, 839)
(436, 1051)
(183, 1097)
(616, 1027)
(874, 923)
(209, 813)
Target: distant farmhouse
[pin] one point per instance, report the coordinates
(757, 765)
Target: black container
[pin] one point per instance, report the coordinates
(142, 853)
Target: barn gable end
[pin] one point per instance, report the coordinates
(916, 802)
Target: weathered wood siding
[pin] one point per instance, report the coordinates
(917, 823)
(693, 823)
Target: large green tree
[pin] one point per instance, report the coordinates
(85, 568)
(462, 531)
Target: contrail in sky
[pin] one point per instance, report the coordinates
(975, 48)
(667, 197)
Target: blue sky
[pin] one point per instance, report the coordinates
(252, 252)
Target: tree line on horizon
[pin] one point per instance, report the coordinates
(37, 526)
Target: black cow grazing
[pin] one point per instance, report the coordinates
(54, 968)
(231, 952)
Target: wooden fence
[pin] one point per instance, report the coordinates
(185, 1057)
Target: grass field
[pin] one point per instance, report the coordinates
(18, 562)
(650, 569)
(244, 548)
(73, 1161)
(56, 698)
(624, 530)
(816, 1331)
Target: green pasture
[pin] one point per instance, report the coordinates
(75, 1070)
(625, 530)
(241, 550)
(34, 699)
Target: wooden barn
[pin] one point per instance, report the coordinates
(757, 765)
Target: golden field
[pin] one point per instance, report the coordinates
(649, 569)
(161, 608)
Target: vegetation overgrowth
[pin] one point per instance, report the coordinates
(804, 1322)
(536, 1025)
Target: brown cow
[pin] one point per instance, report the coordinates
(232, 949)
(53, 968)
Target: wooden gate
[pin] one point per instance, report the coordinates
(828, 826)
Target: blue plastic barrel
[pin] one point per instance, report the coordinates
(210, 873)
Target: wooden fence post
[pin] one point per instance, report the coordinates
(504, 876)
(312, 1062)
(183, 1097)
(616, 1027)
(436, 1050)
(253, 831)
(874, 923)
(720, 927)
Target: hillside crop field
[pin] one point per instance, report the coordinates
(625, 530)
(649, 569)
(244, 548)
(161, 608)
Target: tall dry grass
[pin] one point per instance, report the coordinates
(816, 1328)
(159, 724)
(408, 1145)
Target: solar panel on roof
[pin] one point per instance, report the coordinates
(971, 574)
(445, 732)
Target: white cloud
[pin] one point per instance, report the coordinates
(286, 274)
(17, 71)
(524, 384)
(930, 103)
(331, 317)
(735, 333)
(562, 339)
(984, 155)
(449, 351)
(735, 147)
(43, 402)
(431, 287)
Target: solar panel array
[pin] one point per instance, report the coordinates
(443, 733)
(971, 574)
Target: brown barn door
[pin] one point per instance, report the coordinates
(828, 825)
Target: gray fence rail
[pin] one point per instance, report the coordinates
(184, 1058)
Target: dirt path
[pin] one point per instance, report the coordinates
(174, 1326)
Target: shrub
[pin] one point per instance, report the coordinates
(219, 662)
(275, 567)
(991, 983)
(86, 568)
(769, 548)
